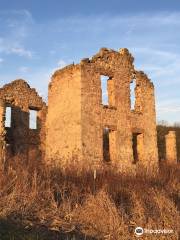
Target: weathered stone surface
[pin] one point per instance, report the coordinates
(19, 139)
(171, 151)
(76, 116)
(2, 134)
(76, 128)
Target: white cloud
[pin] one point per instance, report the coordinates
(24, 69)
(14, 48)
(169, 109)
(155, 52)
(61, 63)
(21, 52)
(14, 30)
(151, 37)
(1, 60)
(161, 65)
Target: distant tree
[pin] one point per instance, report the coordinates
(177, 124)
(163, 123)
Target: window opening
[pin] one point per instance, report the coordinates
(32, 119)
(104, 88)
(106, 148)
(8, 117)
(132, 94)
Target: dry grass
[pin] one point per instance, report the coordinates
(109, 208)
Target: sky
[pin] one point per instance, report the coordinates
(37, 37)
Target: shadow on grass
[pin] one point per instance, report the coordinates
(12, 231)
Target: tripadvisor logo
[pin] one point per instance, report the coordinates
(139, 231)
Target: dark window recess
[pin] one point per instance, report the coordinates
(135, 147)
(106, 148)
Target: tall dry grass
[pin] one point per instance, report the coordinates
(109, 207)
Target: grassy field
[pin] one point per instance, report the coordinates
(43, 204)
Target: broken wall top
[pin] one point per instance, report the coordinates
(106, 59)
(142, 77)
(19, 93)
(107, 62)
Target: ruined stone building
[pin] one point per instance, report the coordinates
(81, 130)
(78, 127)
(18, 136)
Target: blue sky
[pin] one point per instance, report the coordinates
(37, 37)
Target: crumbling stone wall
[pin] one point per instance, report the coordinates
(171, 151)
(76, 116)
(65, 116)
(144, 121)
(2, 134)
(20, 140)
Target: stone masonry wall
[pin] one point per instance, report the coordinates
(64, 131)
(76, 116)
(2, 134)
(21, 141)
(118, 67)
(77, 128)
(145, 105)
(171, 151)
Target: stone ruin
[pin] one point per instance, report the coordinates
(17, 138)
(77, 128)
(77, 119)
(171, 150)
